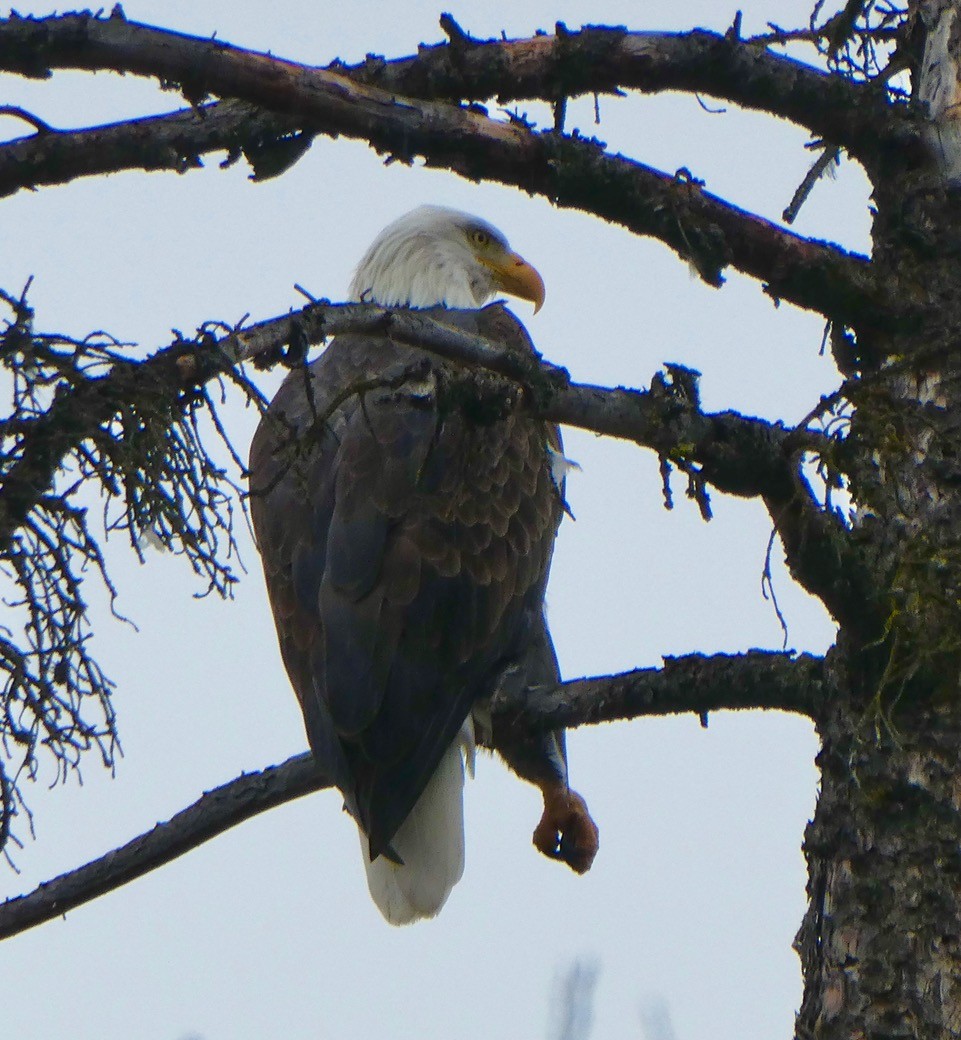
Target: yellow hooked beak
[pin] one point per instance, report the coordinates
(514, 275)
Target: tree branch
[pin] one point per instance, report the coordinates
(601, 59)
(174, 141)
(76, 413)
(595, 59)
(571, 171)
(212, 814)
(694, 683)
(742, 456)
(707, 231)
(738, 455)
(758, 679)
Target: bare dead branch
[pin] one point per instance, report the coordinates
(573, 172)
(175, 141)
(829, 157)
(666, 418)
(212, 814)
(83, 415)
(695, 684)
(600, 59)
(703, 229)
(595, 59)
(741, 456)
(736, 454)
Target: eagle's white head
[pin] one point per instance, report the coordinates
(435, 256)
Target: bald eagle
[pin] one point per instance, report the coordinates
(405, 510)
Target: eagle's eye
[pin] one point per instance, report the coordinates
(480, 237)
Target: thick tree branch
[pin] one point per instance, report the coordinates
(602, 59)
(695, 683)
(743, 456)
(736, 454)
(571, 171)
(740, 455)
(707, 231)
(595, 59)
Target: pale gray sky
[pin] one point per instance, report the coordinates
(268, 931)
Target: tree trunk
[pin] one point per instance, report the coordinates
(881, 942)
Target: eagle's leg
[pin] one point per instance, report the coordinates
(566, 830)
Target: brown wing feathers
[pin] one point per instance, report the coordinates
(406, 554)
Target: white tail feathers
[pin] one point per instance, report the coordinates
(430, 842)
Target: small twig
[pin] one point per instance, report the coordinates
(28, 117)
(6, 808)
(664, 466)
(734, 32)
(767, 586)
(830, 155)
(307, 295)
(707, 108)
(459, 39)
(827, 402)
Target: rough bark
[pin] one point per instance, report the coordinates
(881, 941)
(880, 944)
(600, 59)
